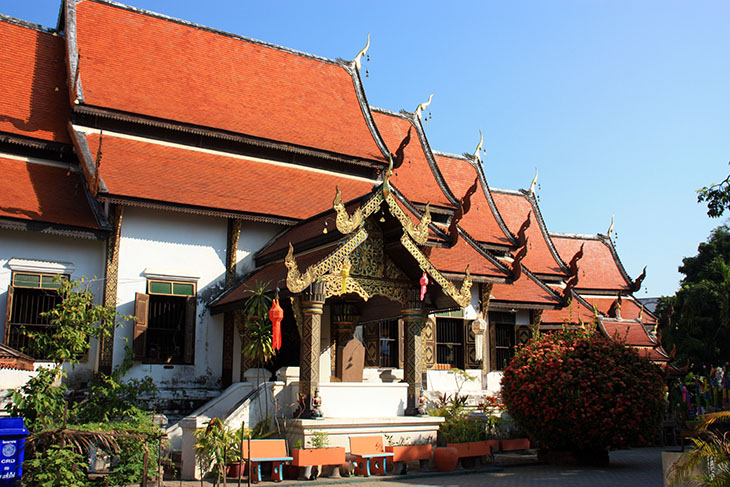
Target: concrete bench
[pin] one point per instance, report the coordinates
(273, 451)
(369, 454)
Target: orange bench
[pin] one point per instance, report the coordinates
(273, 451)
(368, 452)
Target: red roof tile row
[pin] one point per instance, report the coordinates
(151, 171)
(514, 208)
(43, 193)
(598, 269)
(189, 74)
(34, 99)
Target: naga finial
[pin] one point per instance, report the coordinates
(358, 63)
(479, 147)
(533, 184)
(420, 108)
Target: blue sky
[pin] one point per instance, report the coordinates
(622, 106)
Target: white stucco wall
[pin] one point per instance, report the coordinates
(192, 245)
(87, 257)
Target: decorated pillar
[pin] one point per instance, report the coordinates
(111, 273)
(229, 322)
(413, 320)
(485, 296)
(312, 304)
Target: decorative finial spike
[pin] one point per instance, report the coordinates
(476, 154)
(420, 108)
(533, 184)
(358, 63)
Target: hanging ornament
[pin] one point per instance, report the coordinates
(424, 285)
(345, 273)
(276, 314)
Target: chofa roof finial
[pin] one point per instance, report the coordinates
(533, 184)
(420, 108)
(476, 154)
(358, 63)
(610, 228)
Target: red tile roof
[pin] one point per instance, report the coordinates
(514, 208)
(143, 169)
(630, 309)
(181, 72)
(630, 332)
(14, 360)
(415, 177)
(576, 312)
(480, 222)
(455, 259)
(599, 268)
(526, 289)
(34, 100)
(43, 193)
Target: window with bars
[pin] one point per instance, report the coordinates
(450, 342)
(164, 331)
(29, 296)
(384, 343)
(503, 346)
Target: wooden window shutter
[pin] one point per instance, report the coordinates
(401, 343)
(190, 319)
(371, 334)
(470, 349)
(8, 314)
(141, 311)
(492, 345)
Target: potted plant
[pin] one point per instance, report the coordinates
(316, 455)
(405, 451)
(213, 445)
(465, 433)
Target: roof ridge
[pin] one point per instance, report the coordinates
(450, 155)
(576, 236)
(30, 25)
(507, 191)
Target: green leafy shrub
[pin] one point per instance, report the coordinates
(577, 390)
(56, 466)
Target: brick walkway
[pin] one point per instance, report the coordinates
(641, 467)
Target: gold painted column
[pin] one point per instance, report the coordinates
(413, 319)
(312, 300)
(229, 325)
(111, 274)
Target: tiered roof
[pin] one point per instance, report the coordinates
(134, 168)
(600, 268)
(178, 71)
(542, 258)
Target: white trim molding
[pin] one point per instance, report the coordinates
(40, 266)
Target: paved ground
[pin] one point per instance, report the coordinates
(641, 467)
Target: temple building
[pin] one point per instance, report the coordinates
(193, 165)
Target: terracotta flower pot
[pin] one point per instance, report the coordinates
(234, 469)
(408, 453)
(494, 445)
(471, 448)
(445, 458)
(515, 444)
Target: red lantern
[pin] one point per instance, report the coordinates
(276, 314)
(424, 284)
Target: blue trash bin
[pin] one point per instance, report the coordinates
(12, 450)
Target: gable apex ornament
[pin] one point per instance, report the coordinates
(636, 284)
(421, 107)
(363, 51)
(346, 223)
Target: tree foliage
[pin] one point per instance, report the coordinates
(695, 322)
(717, 197)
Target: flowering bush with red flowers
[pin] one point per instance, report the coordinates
(577, 390)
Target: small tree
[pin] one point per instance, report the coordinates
(577, 390)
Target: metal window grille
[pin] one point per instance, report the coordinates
(450, 342)
(166, 328)
(388, 343)
(504, 346)
(27, 305)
